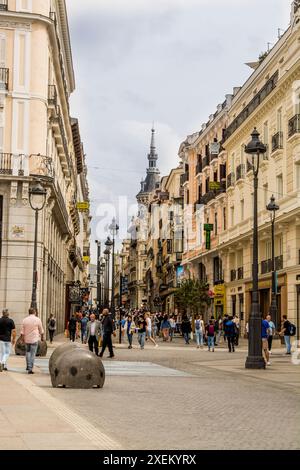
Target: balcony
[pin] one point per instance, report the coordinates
(199, 168)
(233, 275)
(266, 266)
(207, 198)
(240, 273)
(3, 5)
(230, 180)
(279, 263)
(52, 95)
(4, 78)
(24, 165)
(184, 178)
(240, 172)
(277, 141)
(294, 125)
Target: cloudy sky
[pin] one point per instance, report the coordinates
(167, 61)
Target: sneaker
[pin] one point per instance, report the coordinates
(268, 363)
(5, 369)
(270, 352)
(213, 350)
(110, 357)
(30, 372)
(156, 345)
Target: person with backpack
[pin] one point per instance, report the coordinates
(229, 331)
(210, 335)
(51, 327)
(287, 330)
(199, 330)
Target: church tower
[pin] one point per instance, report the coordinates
(153, 174)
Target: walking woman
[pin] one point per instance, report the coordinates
(165, 327)
(51, 327)
(199, 330)
(186, 329)
(129, 328)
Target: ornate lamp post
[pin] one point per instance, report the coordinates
(255, 360)
(37, 200)
(272, 207)
(99, 301)
(114, 228)
(107, 253)
(102, 272)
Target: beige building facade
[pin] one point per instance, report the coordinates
(39, 139)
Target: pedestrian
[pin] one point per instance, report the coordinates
(72, 327)
(172, 327)
(286, 328)
(186, 328)
(32, 331)
(7, 338)
(93, 334)
(225, 320)
(236, 322)
(51, 322)
(265, 327)
(129, 328)
(272, 330)
(219, 330)
(149, 329)
(199, 330)
(230, 334)
(210, 335)
(108, 329)
(142, 327)
(165, 328)
(83, 327)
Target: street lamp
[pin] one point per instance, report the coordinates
(102, 272)
(107, 253)
(272, 207)
(37, 200)
(114, 228)
(255, 360)
(98, 275)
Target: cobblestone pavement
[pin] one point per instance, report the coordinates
(172, 397)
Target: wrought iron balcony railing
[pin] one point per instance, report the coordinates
(4, 77)
(240, 172)
(294, 125)
(240, 273)
(277, 141)
(26, 165)
(3, 5)
(233, 275)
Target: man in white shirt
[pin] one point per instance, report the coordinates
(93, 333)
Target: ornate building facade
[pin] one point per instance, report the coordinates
(39, 140)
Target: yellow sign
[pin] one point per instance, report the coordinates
(86, 259)
(219, 290)
(83, 206)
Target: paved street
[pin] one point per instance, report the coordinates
(173, 397)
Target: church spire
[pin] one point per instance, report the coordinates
(152, 156)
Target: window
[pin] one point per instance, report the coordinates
(266, 133)
(242, 154)
(232, 216)
(224, 219)
(268, 250)
(232, 160)
(279, 120)
(280, 245)
(297, 174)
(279, 186)
(216, 223)
(266, 195)
(242, 210)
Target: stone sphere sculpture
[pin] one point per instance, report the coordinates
(79, 369)
(20, 348)
(56, 354)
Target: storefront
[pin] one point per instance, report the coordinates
(219, 300)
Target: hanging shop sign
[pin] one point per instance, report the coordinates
(83, 206)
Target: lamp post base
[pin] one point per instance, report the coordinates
(254, 362)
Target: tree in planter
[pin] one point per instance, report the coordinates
(192, 295)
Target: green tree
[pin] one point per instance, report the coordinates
(192, 295)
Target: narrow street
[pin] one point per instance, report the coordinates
(172, 397)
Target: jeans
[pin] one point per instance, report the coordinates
(219, 334)
(129, 337)
(51, 335)
(107, 343)
(231, 343)
(211, 342)
(72, 335)
(83, 335)
(141, 339)
(186, 337)
(288, 345)
(5, 348)
(31, 350)
(199, 338)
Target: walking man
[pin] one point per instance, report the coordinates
(285, 331)
(230, 334)
(93, 334)
(32, 331)
(7, 338)
(272, 329)
(142, 326)
(72, 326)
(51, 327)
(108, 331)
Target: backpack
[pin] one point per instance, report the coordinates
(292, 329)
(197, 324)
(211, 330)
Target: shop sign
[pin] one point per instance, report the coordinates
(83, 206)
